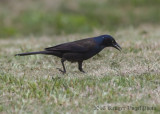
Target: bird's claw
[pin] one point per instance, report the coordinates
(61, 70)
(83, 71)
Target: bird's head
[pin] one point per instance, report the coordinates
(109, 41)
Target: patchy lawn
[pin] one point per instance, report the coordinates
(115, 82)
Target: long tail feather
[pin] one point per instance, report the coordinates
(33, 53)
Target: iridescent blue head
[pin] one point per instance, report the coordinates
(109, 41)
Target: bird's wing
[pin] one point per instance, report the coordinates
(76, 46)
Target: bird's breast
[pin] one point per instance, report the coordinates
(74, 57)
(91, 53)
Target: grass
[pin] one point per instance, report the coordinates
(60, 17)
(32, 84)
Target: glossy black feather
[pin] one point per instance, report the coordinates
(76, 46)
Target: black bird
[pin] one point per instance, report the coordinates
(78, 51)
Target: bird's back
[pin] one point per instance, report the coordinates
(79, 46)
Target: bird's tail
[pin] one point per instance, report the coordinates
(33, 53)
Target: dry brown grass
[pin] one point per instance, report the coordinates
(129, 78)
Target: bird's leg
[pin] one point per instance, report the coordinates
(80, 66)
(64, 70)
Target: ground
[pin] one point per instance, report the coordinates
(114, 81)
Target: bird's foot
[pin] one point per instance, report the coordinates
(83, 71)
(61, 70)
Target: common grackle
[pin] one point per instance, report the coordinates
(78, 51)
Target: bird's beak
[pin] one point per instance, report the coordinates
(117, 46)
